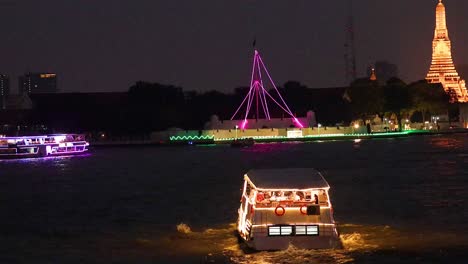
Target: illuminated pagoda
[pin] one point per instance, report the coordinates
(442, 69)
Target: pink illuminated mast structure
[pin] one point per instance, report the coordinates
(258, 95)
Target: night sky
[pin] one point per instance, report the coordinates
(107, 45)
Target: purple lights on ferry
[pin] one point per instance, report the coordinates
(42, 146)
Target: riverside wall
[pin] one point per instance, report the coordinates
(261, 132)
(220, 134)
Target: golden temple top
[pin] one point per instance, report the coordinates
(441, 31)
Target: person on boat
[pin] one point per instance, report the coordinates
(260, 197)
(273, 196)
(281, 196)
(267, 198)
(316, 199)
(301, 196)
(323, 197)
(295, 197)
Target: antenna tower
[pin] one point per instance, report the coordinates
(350, 49)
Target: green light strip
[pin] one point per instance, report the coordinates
(254, 137)
(184, 138)
(281, 138)
(331, 136)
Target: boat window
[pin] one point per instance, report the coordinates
(280, 230)
(274, 231)
(299, 196)
(302, 230)
(323, 198)
(313, 230)
(260, 197)
(286, 230)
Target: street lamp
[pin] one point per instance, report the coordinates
(318, 128)
(356, 126)
(236, 130)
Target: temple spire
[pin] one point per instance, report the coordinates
(441, 31)
(373, 76)
(442, 68)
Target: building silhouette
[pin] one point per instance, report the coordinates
(34, 83)
(4, 89)
(442, 69)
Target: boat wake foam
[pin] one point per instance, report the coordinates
(361, 243)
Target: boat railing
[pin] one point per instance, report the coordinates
(288, 203)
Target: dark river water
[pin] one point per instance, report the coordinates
(395, 200)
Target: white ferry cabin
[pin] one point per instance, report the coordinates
(283, 207)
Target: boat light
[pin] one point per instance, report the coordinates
(300, 224)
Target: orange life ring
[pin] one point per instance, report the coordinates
(283, 211)
(302, 211)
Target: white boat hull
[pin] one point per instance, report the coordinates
(282, 243)
(41, 146)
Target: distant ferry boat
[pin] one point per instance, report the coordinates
(286, 207)
(42, 146)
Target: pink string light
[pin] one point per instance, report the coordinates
(256, 82)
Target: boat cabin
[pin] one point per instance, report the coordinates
(40, 146)
(286, 206)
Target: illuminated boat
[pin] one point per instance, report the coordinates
(285, 207)
(42, 146)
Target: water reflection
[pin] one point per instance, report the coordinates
(269, 147)
(361, 243)
(406, 197)
(451, 143)
(49, 159)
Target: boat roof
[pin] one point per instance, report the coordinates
(39, 136)
(293, 178)
(23, 137)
